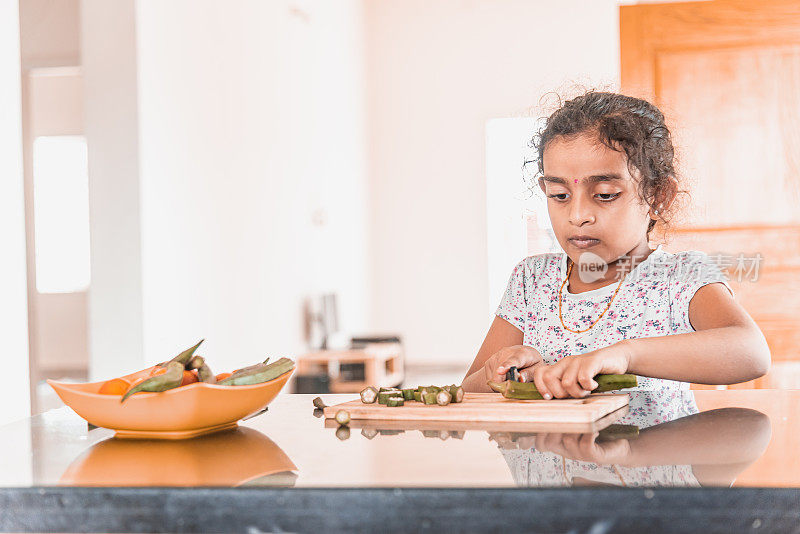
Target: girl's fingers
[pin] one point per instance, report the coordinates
(538, 381)
(518, 359)
(570, 380)
(553, 383)
(586, 379)
(526, 374)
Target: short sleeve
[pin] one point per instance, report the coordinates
(692, 271)
(514, 304)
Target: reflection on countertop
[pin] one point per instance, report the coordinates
(242, 456)
(700, 438)
(675, 445)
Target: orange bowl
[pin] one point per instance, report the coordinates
(183, 412)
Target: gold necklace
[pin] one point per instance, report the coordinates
(569, 270)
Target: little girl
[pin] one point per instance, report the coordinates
(609, 303)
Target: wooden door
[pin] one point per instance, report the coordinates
(726, 74)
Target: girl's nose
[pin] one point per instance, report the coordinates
(580, 212)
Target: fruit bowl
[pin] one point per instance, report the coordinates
(183, 412)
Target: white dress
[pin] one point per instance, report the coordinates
(652, 301)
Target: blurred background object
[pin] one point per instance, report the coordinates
(322, 320)
(216, 175)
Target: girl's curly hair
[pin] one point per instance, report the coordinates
(622, 123)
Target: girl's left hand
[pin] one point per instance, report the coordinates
(574, 375)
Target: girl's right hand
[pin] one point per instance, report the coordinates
(522, 357)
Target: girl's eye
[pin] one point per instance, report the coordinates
(607, 197)
(558, 196)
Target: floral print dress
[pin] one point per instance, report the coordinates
(653, 300)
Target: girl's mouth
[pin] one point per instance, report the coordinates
(583, 242)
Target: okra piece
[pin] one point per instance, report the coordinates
(497, 387)
(343, 433)
(457, 434)
(614, 382)
(250, 367)
(369, 433)
(430, 433)
(318, 403)
(528, 391)
(444, 434)
(390, 432)
(408, 394)
(457, 392)
(395, 401)
(612, 432)
(318, 413)
(429, 398)
(170, 379)
(443, 398)
(383, 396)
(522, 391)
(369, 395)
(184, 357)
(342, 417)
(261, 373)
(204, 373)
(418, 396)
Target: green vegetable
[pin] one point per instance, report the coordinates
(395, 401)
(390, 432)
(250, 367)
(343, 417)
(383, 396)
(443, 398)
(369, 395)
(172, 378)
(429, 398)
(381, 390)
(318, 403)
(418, 396)
(528, 391)
(261, 373)
(408, 394)
(497, 387)
(203, 370)
(184, 357)
(612, 432)
(343, 433)
(369, 433)
(457, 392)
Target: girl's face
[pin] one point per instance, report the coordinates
(593, 200)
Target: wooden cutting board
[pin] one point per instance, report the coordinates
(490, 407)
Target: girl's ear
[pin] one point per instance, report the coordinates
(664, 198)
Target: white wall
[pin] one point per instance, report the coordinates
(15, 394)
(251, 128)
(108, 49)
(437, 72)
